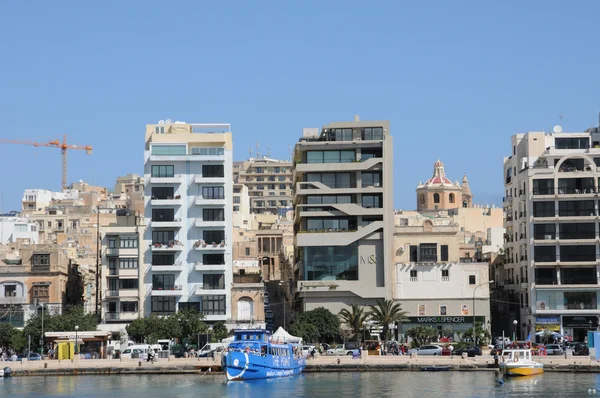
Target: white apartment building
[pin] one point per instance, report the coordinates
(14, 228)
(188, 193)
(551, 243)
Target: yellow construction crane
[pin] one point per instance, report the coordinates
(54, 144)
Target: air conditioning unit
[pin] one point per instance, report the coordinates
(548, 237)
(377, 184)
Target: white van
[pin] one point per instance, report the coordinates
(139, 351)
(209, 348)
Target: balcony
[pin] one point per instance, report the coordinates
(121, 293)
(168, 247)
(201, 291)
(546, 281)
(175, 290)
(201, 267)
(200, 179)
(200, 223)
(187, 158)
(204, 246)
(112, 316)
(582, 192)
(174, 201)
(175, 223)
(200, 201)
(176, 267)
(112, 251)
(175, 179)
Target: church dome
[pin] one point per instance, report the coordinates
(439, 177)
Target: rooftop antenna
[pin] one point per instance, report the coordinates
(290, 150)
(268, 151)
(257, 153)
(250, 146)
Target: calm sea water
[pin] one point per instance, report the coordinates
(331, 385)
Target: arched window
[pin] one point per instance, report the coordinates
(422, 199)
(245, 307)
(436, 198)
(451, 198)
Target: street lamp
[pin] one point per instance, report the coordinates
(515, 323)
(76, 345)
(42, 337)
(474, 290)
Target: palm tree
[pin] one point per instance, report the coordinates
(386, 312)
(354, 319)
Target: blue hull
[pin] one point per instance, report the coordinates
(245, 366)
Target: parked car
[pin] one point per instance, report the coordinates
(344, 349)
(554, 349)
(33, 356)
(470, 350)
(581, 349)
(426, 350)
(307, 349)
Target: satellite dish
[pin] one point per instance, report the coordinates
(161, 122)
(557, 129)
(169, 121)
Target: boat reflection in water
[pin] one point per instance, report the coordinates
(252, 355)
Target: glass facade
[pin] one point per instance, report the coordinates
(330, 156)
(168, 150)
(331, 263)
(573, 300)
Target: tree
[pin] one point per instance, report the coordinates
(386, 312)
(307, 331)
(422, 334)
(6, 334)
(18, 340)
(191, 324)
(137, 329)
(220, 331)
(354, 320)
(326, 323)
(162, 328)
(481, 334)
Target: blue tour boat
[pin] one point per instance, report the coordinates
(252, 355)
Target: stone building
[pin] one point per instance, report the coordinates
(439, 193)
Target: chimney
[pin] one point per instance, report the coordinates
(356, 118)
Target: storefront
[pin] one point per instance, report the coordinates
(575, 328)
(442, 323)
(91, 345)
(549, 323)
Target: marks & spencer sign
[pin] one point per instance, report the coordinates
(444, 319)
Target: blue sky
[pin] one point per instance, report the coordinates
(456, 79)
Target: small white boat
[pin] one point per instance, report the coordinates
(519, 363)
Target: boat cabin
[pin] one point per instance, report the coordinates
(258, 335)
(516, 355)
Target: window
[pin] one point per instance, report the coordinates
(272, 203)
(413, 275)
(445, 274)
(41, 293)
(472, 279)
(128, 284)
(213, 305)
(576, 208)
(163, 237)
(451, 198)
(443, 311)
(236, 208)
(371, 179)
(544, 209)
(578, 253)
(112, 266)
(422, 199)
(213, 192)
(128, 243)
(189, 306)
(164, 171)
(112, 243)
(260, 179)
(236, 200)
(169, 150)
(339, 134)
(49, 224)
(544, 254)
(330, 156)
(332, 180)
(372, 201)
(577, 231)
(281, 178)
(10, 290)
(444, 252)
(329, 224)
(543, 187)
(213, 259)
(163, 193)
(414, 254)
(163, 282)
(208, 151)
(572, 143)
(281, 186)
(214, 236)
(544, 231)
(163, 305)
(129, 306)
(372, 133)
(74, 224)
(428, 252)
(247, 251)
(163, 259)
(328, 199)
(330, 263)
(575, 185)
(40, 262)
(128, 263)
(163, 215)
(213, 215)
(436, 198)
(213, 281)
(213, 171)
(283, 203)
